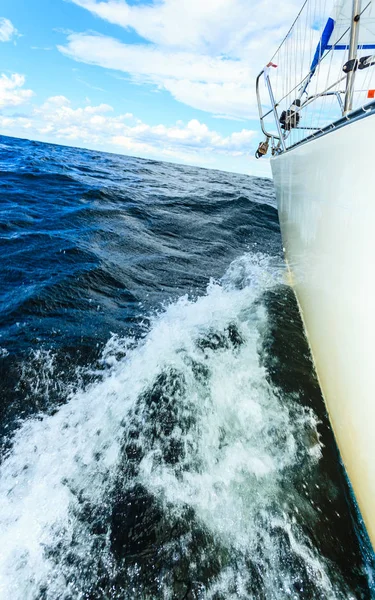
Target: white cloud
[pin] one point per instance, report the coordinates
(233, 99)
(11, 93)
(150, 62)
(7, 30)
(44, 48)
(217, 85)
(97, 127)
(210, 27)
(204, 53)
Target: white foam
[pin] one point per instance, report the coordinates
(245, 440)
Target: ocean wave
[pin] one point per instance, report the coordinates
(163, 431)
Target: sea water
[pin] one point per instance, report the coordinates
(163, 433)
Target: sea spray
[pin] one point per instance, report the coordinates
(171, 475)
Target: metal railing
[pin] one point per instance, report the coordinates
(278, 138)
(273, 110)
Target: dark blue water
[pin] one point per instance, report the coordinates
(163, 433)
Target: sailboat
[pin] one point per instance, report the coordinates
(316, 100)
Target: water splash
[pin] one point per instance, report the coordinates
(171, 476)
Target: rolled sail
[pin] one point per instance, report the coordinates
(336, 32)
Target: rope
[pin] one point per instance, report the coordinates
(294, 22)
(324, 55)
(292, 56)
(321, 59)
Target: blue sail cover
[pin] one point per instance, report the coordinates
(323, 44)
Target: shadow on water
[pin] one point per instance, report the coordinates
(335, 528)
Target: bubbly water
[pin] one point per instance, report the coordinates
(163, 432)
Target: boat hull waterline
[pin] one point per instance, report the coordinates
(326, 199)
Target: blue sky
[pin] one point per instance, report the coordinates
(167, 79)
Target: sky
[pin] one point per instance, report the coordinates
(169, 80)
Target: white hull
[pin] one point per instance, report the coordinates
(326, 197)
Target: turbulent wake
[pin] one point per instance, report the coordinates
(172, 474)
(188, 454)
